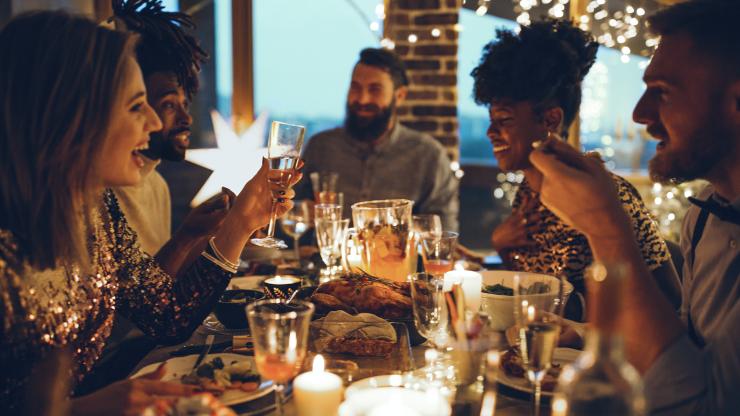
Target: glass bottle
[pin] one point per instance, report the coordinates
(601, 381)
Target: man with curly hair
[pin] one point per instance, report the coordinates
(531, 83)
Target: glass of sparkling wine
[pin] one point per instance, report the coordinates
(296, 222)
(280, 336)
(330, 237)
(437, 252)
(284, 150)
(538, 308)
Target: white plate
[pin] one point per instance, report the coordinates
(561, 356)
(179, 366)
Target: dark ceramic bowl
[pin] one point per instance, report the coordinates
(231, 308)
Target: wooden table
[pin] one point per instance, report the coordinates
(508, 402)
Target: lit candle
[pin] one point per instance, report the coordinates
(281, 286)
(530, 313)
(317, 392)
(471, 284)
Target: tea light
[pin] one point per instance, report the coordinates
(471, 283)
(281, 286)
(317, 392)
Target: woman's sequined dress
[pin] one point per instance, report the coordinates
(43, 310)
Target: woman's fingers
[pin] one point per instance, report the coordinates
(157, 374)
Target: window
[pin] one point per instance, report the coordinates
(477, 31)
(303, 58)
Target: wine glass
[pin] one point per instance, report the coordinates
(283, 152)
(296, 222)
(330, 237)
(437, 252)
(538, 308)
(427, 224)
(327, 212)
(430, 307)
(324, 186)
(280, 335)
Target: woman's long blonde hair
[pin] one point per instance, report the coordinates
(59, 78)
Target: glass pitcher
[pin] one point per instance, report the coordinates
(384, 232)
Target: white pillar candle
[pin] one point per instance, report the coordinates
(471, 283)
(317, 392)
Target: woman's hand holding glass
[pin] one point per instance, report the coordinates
(252, 210)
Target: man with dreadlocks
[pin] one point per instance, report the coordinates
(170, 60)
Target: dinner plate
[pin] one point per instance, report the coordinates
(561, 356)
(180, 366)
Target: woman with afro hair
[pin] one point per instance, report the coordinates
(531, 84)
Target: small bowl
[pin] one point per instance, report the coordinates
(230, 309)
(500, 308)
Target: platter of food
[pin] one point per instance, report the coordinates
(233, 378)
(512, 373)
(373, 344)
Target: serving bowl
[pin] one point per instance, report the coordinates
(230, 308)
(500, 308)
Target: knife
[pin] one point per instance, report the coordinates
(203, 353)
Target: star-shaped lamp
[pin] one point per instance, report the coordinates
(236, 159)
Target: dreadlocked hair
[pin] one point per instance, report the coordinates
(164, 45)
(544, 64)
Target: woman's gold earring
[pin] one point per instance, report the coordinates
(549, 135)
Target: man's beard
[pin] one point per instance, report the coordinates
(165, 148)
(368, 129)
(705, 149)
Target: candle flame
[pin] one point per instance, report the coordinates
(559, 406)
(530, 313)
(318, 363)
(493, 358)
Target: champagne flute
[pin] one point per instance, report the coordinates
(324, 186)
(280, 336)
(295, 223)
(330, 237)
(538, 308)
(327, 212)
(437, 252)
(284, 150)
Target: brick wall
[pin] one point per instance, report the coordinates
(431, 105)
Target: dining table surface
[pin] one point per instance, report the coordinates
(508, 401)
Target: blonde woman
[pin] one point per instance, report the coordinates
(74, 120)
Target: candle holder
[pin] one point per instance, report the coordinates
(281, 287)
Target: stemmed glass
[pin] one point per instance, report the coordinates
(427, 224)
(429, 307)
(327, 212)
(437, 252)
(538, 310)
(284, 151)
(280, 336)
(324, 187)
(296, 222)
(330, 237)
